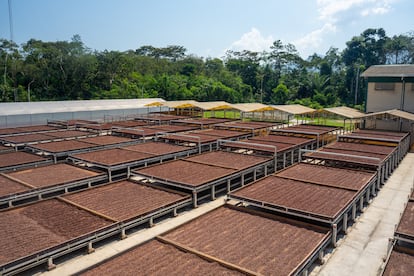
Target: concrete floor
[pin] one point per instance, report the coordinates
(360, 252)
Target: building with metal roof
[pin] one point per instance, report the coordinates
(34, 113)
(352, 115)
(389, 87)
(344, 112)
(294, 109)
(394, 119)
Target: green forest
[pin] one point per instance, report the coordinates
(69, 70)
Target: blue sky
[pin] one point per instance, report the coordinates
(206, 28)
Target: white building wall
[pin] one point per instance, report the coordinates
(381, 100)
(409, 97)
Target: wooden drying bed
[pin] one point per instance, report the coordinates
(108, 140)
(400, 140)
(355, 156)
(122, 160)
(135, 132)
(157, 257)
(113, 159)
(171, 128)
(20, 140)
(9, 186)
(159, 148)
(201, 141)
(405, 228)
(285, 139)
(228, 160)
(285, 149)
(19, 159)
(293, 196)
(201, 123)
(209, 173)
(361, 147)
(49, 181)
(252, 241)
(130, 202)
(4, 149)
(63, 225)
(147, 132)
(253, 127)
(223, 134)
(312, 192)
(316, 128)
(68, 134)
(26, 129)
(400, 261)
(128, 123)
(62, 149)
(69, 123)
(390, 136)
(32, 234)
(158, 118)
(355, 180)
(185, 173)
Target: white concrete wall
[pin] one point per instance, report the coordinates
(409, 98)
(381, 100)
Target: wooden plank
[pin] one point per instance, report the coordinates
(321, 183)
(18, 181)
(206, 256)
(87, 209)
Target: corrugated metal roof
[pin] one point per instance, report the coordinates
(253, 107)
(394, 70)
(394, 112)
(295, 109)
(180, 104)
(345, 111)
(220, 105)
(22, 108)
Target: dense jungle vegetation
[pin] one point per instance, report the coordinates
(69, 70)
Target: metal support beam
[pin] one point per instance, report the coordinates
(345, 223)
(195, 199)
(354, 209)
(320, 257)
(50, 264)
(90, 248)
(123, 234)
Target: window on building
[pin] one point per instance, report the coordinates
(385, 86)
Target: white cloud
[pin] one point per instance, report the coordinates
(252, 41)
(382, 7)
(332, 10)
(334, 13)
(314, 39)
